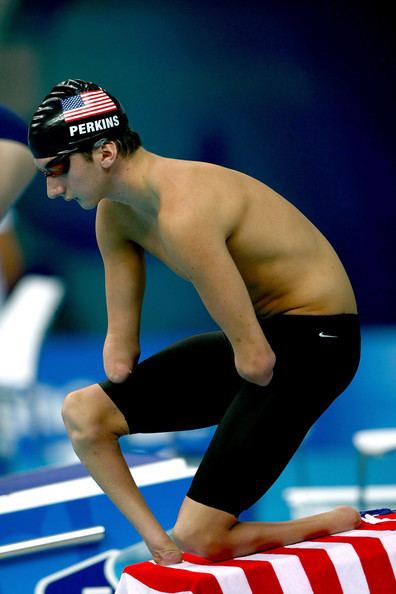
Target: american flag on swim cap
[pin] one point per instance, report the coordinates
(84, 105)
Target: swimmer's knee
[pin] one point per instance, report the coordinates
(89, 414)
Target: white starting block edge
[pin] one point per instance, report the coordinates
(144, 475)
(306, 501)
(375, 442)
(24, 319)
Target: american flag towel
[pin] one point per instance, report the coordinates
(361, 561)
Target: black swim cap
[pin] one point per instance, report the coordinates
(74, 115)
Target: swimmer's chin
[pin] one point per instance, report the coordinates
(83, 204)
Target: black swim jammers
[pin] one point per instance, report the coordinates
(194, 384)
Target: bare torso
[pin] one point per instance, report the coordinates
(288, 266)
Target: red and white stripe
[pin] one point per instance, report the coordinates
(360, 561)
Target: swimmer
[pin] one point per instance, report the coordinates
(16, 173)
(288, 342)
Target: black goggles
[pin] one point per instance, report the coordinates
(59, 165)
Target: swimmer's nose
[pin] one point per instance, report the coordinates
(54, 188)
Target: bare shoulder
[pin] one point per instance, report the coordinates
(19, 160)
(201, 196)
(13, 149)
(110, 224)
(200, 210)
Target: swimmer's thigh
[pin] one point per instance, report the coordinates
(185, 386)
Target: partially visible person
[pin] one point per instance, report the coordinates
(16, 172)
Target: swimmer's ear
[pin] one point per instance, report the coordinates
(107, 154)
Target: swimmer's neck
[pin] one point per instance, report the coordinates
(134, 182)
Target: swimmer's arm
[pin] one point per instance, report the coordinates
(16, 174)
(125, 282)
(201, 254)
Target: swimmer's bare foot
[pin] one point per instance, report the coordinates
(343, 518)
(339, 519)
(217, 535)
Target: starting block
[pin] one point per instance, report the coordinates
(361, 561)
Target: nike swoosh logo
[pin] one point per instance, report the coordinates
(323, 335)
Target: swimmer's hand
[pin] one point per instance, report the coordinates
(256, 366)
(119, 358)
